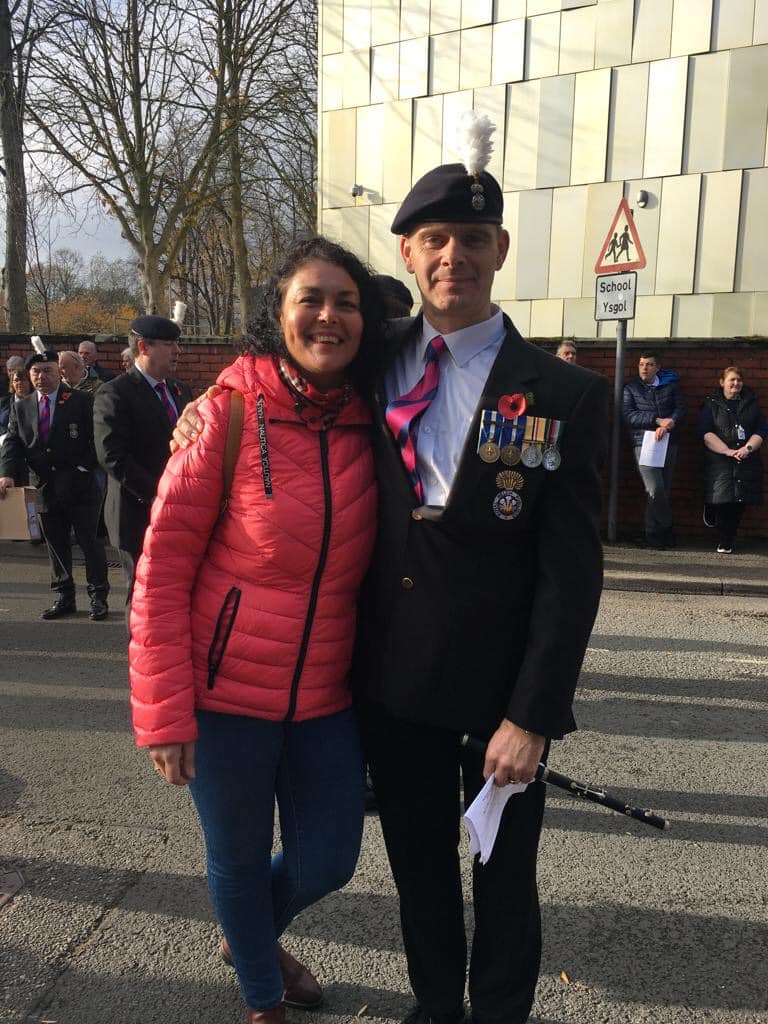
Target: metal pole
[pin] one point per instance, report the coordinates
(618, 387)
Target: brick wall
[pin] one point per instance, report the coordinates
(699, 364)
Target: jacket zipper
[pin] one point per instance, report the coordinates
(220, 640)
(317, 578)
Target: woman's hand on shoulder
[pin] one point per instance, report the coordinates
(175, 762)
(189, 425)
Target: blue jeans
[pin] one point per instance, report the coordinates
(315, 770)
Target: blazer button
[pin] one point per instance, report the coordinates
(416, 515)
(406, 583)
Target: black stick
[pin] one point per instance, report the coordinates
(597, 796)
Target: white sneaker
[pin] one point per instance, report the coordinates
(723, 550)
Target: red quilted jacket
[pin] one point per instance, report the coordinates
(253, 615)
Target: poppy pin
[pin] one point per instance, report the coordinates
(511, 406)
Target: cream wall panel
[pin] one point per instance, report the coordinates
(678, 231)
(356, 86)
(444, 63)
(521, 141)
(691, 27)
(427, 134)
(506, 10)
(414, 18)
(492, 102)
(747, 109)
(761, 22)
(613, 35)
(692, 316)
(385, 72)
(626, 122)
(760, 314)
(542, 46)
(718, 231)
(330, 224)
(383, 246)
(354, 228)
(338, 163)
(414, 67)
(333, 81)
(590, 126)
(731, 316)
(577, 40)
(475, 68)
(396, 151)
(476, 12)
(508, 61)
(566, 253)
(665, 117)
(454, 105)
(602, 204)
(752, 251)
(534, 219)
(544, 6)
(647, 224)
(570, 4)
(385, 21)
(579, 318)
(332, 26)
(555, 117)
(444, 16)
(519, 313)
(653, 316)
(368, 170)
(504, 282)
(653, 30)
(357, 24)
(732, 23)
(546, 318)
(704, 137)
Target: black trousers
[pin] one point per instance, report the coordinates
(416, 773)
(58, 523)
(727, 519)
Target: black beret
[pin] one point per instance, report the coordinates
(445, 194)
(49, 356)
(155, 328)
(394, 293)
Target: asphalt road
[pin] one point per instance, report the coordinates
(113, 923)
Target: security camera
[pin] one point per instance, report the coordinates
(642, 198)
(356, 190)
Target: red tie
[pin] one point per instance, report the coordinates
(403, 413)
(167, 404)
(44, 421)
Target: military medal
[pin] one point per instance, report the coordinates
(507, 505)
(510, 455)
(509, 480)
(488, 447)
(74, 433)
(489, 452)
(551, 459)
(534, 435)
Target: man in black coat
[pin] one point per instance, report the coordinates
(51, 431)
(480, 600)
(89, 354)
(133, 418)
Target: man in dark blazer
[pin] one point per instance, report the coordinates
(51, 431)
(480, 600)
(133, 418)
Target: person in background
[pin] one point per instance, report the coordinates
(19, 387)
(89, 354)
(733, 429)
(14, 363)
(566, 351)
(243, 617)
(396, 296)
(75, 374)
(126, 359)
(653, 401)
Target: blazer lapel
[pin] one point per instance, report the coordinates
(149, 399)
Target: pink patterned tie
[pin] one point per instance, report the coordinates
(44, 420)
(402, 414)
(167, 404)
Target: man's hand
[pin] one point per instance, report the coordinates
(513, 755)
(663, 426)
(189, 425)
(175, 762)
(5, 483)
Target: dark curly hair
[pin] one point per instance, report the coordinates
(264, 336)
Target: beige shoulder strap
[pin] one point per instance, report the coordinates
(232, 448)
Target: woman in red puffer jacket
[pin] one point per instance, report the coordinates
(243, 620)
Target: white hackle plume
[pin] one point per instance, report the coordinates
(179, 309)
(473, 141)
(37, 344)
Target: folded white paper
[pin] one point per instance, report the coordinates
(653, 452)
(483, 816)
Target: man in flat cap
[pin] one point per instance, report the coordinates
(133, 418)
(51, 432)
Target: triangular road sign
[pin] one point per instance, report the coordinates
(621, 249)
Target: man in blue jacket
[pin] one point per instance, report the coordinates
(653, 401)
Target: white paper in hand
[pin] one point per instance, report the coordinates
(484, 814)
(653, 452)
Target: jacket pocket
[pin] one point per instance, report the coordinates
(224, 624)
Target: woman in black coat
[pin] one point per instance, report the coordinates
(733, 429)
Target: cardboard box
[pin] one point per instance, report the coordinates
(18, 515)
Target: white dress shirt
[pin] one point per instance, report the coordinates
(464, 369)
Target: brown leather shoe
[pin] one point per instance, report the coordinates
(302, 991)
(276, 1015)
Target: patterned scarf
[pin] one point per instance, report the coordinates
(321, 407)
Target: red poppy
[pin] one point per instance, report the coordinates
(511, 406)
